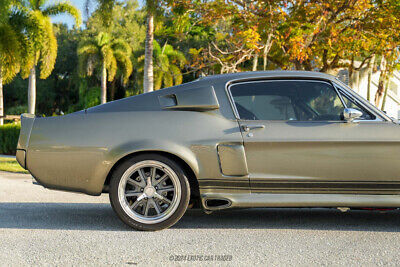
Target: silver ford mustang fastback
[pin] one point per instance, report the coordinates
(256, 139)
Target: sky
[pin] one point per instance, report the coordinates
(68, 19)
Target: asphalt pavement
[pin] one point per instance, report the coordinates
(44, 227)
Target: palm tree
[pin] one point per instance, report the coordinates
(43, 42)
(148, 78)
(105, 9)
(106, 54)
(13, 46)
(167, 65)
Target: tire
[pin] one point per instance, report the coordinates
(149, 192)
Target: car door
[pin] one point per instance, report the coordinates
(296, 140)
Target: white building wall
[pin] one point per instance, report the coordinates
(392, 105)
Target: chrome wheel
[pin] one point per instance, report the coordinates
(149, 192)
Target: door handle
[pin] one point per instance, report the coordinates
(247, 128)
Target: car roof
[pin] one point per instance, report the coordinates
(266, 74)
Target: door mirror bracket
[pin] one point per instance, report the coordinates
(350, 114)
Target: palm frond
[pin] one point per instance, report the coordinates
(125, 64)
(83, 65)
(162, 63)
(177, 74)
(103, 39)
(22, 21)
(37, 32)
(115, 54)
(158, 78)
(112, 69)
(35, 4)
(168, 80)
(167, 48)
(177, 57)
(48, 50)
(10, 56)
(64, 8)
(156, 49)
(110, 61)
(105, 10)
(140, 59)
(87, 63)
(122, 46)
(87, 48)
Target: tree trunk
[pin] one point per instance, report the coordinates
(32, 91)
(112, 92)
(356, 82)
(382, 76)
(298, 65)
(387, 82)
(255, 62)
(351, 73)
(1, 98)
(265, 61)
(148, 80)
(267, 47)
(103, 97)
(370, 70)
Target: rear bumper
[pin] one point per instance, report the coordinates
(21, 158)
(27, 121)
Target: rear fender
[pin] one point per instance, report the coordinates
(180, 151)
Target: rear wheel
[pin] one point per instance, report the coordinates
(149, 192)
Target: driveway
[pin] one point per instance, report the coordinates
(43, 227)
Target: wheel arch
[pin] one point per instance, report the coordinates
(188, 169)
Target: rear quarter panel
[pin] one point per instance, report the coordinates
(77, 151)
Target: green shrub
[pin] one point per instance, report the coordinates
(9, 138)
(16, 110)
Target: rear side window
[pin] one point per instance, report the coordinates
(287, 100)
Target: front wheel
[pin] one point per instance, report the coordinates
(149, 192)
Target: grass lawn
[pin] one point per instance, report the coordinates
(11, 165)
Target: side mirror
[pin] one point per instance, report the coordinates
(351, 114)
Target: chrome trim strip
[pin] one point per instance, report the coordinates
(264, 200)
(361, 101)
(378, 118)
(345, 92)
(231, 101)
(274, 79)
(340, 96)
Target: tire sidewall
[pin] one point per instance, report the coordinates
(182, 206)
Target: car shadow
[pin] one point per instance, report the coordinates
(64, 216)
(100, 216)
(294, 218)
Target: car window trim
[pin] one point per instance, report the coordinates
(357, 103)
(344, 91)
(236, 113)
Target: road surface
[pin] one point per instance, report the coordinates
(43, 227)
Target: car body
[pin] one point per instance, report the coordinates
(252, 139)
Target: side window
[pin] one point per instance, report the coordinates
(351, 103)
(287, 100)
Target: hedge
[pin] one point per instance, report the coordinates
(9, 138)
